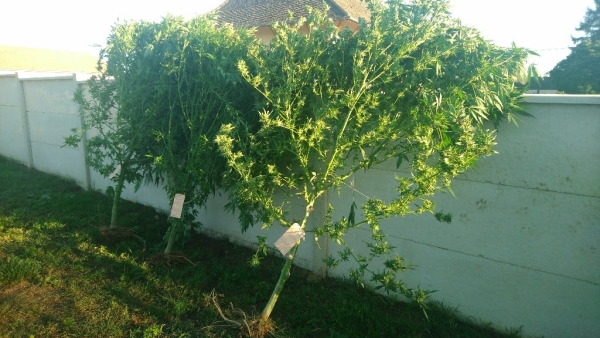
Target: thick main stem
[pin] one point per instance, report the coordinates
(285, 273)
(171, 237)
(116, 198)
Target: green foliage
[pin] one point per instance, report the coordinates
(200, 89)
(411, 86)
(113, 119)
(191, 87)
(579, 73)
(591, 23)
(261, 251)
(164, 91)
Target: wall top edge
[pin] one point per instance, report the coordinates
(562, 99)
(7, 74)
(47, 78)
(24, 75)
(81, 78)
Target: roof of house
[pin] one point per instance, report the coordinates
(255, 13)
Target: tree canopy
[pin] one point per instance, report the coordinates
(579, 73)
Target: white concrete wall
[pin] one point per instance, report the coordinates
(51, 115)
(36, 113)
(13, 138)
(522, 249)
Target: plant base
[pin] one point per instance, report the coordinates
(250, 327)
(112, 235)
(168, 260)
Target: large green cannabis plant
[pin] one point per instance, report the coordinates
(411, 85)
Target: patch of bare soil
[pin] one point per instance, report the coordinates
(168, 260)
(117, 234)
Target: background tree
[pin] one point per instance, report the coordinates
(579, 73)
(411, 86)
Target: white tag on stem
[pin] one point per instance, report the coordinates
(177, 207)
(116, 172)
(289, 238)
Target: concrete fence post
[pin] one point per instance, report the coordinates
(25, 122)
(88, 180)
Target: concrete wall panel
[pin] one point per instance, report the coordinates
(507, 295)
(555, 151)
(151, 195)
(50, 128)
(12, 139)
(544, 230)
(9, 90)
(65, 162)
(522, 249)
(51, 96)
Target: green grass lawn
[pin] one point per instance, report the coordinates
(58, 278)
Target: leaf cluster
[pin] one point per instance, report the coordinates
(163, 91)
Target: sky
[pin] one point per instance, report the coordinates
(545, 26)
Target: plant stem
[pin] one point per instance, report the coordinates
(285, 273)
(118, 190)
(171, 237)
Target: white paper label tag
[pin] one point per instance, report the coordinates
(116, 172)
(289, 238)
(177, 205)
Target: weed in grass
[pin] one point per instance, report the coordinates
(14, 269)
(154, 331)
(68, 322)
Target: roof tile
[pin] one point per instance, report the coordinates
(254, 13)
